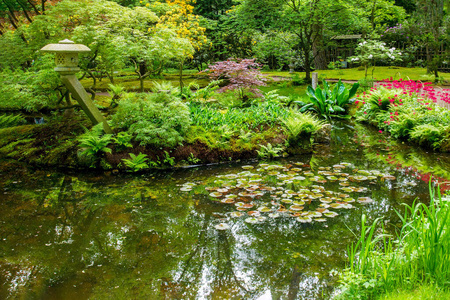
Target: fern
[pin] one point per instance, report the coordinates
(137, 162)
(299, 124)
(11, 120)
(429, 135)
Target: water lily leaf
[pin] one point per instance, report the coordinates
(345, 164)
(348, 200)
(236, 214)
(364, 200)
(320, 220)
(371, 177)
(273, 173)
(326, 200)
(331, 214)
(332, 178)
(321, 209)
(261, 219)
(247, 205)
(344, 184)
(216, 194)
(389, 177)
(223, 190)
(211, 188)
(251, 220)
(282, 210)
(296, 208)
(263, 165)
(298, 202)
(308, 173)
(287, 201)
(339, 166)
(358, 178)
(186, 189)
(359, 189)
(240, 208)
(273, 215)
(336, 205)
(248, 167)
(304, 219)
(254, 213)
(264, 209)
(227, 200)
(364, 172)
(315, 214)
(222, 226)
(231, 196)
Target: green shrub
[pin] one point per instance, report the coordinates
(301, 125)
(11, 120)
(158, 119)
(429, 135)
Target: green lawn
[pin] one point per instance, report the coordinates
(379, 73)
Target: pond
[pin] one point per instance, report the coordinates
(250, 230)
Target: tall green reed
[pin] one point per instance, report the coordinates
(420, 255)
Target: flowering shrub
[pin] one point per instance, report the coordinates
(367, 52)
(407, 109)
(241, 74)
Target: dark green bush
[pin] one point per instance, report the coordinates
(158, 119)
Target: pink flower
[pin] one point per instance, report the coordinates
(380, 131)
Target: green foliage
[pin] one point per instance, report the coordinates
(429, 135)
(116, 92)
(299, 126)
(94, 142)
(136, 162)
(192, 159)
(11, 120)
(123, 140)
(329, 103)
(31, 90)
(261, 113)
(168, 160)
(157, 119)
(269, 152)
(420, 255)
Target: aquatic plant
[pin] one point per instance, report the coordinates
(267, 191)
(420, 255)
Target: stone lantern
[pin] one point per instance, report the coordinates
(67, 66)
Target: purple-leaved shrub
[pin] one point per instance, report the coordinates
(243, 75)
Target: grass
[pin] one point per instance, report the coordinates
(424, 292)
(419, 257)
(355, 74)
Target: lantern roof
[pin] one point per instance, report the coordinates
(65, 46)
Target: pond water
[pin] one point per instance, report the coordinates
(255, 230)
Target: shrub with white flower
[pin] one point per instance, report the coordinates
(368, 51)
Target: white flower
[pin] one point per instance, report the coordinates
(370, 56)
(399, 53)
(355, 59)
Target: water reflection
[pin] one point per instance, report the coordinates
(131, 237)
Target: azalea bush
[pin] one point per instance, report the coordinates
(408, 110)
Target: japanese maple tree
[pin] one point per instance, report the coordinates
(243, 75)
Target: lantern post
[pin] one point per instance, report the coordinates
(67, 66)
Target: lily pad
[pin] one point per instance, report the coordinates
(216, 194)
(364, 200)
(186, 189)
(331, 214)
(248, 167)
(236, 214)
(296, 208)
(252, 220)
(222, 226)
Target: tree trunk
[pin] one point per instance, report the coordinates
(320, 60)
